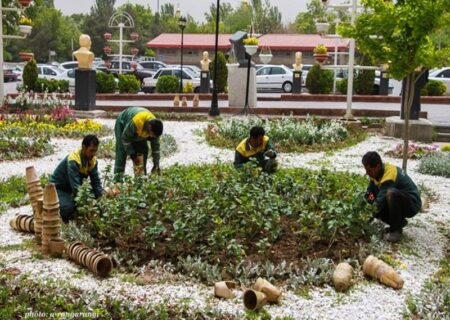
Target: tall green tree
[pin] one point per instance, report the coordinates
(400, 34)
(96, 24)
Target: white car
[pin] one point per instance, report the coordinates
(68, 65)
(274, 77)
(149, 84)
(48, 72)
(441, 75)
(68, 75)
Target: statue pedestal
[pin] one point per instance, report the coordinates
(297, 82)
(420, 130)
(205, 84)
(85, 89)
(237, 79)
(384, 84)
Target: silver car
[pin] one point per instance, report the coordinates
(274, 78)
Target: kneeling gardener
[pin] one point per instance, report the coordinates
(393, 192)
(257, 146)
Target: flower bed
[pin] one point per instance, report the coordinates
(224, 215)
(415, 151)
(288, 134)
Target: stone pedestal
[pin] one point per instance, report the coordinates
(237, 80)
(297, 82)
(85, 89)
(384, 84)
(420, 130)
(205, 83)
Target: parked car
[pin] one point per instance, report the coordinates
(152, 65)
(274, 77)
(18, 71)
(69, 65)
(195, 70)
(128, 68)
(443, 75)
(47, 71)
(8, 74)
(149, 84)
(68, 75)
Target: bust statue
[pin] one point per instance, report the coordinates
(205, 61)
(298, 61)
(83, 55)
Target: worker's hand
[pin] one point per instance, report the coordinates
(270, 154)
(156, 170)
(111, 193)
(370, 197)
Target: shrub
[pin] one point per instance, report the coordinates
(319, 80)
(222, 72)
(433, 88)
(188, 87)
(341, 85)
(128, 83)
(364, 81)
(30, 75)
(436, 164)
(12, 192)
(445, 147)
(15, 147)
(168, 84)
(51, 85)
(106, 83)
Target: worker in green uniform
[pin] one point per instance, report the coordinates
(70, 173)
(257, 146)
(393, 192)
(133, 128)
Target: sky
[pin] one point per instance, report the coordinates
(288, 8)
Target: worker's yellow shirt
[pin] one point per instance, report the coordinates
(245, 152)
(139, 120)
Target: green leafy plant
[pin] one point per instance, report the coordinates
(51, 85)
(106, 82)
(320, 49)
(433, 88)
(12, 192)
(25, 21)
(188, 87)
(436, 164)
(445, 147)
(222, 71)
(415, 151)
(319, 80)
(167, 84)
(128, 83)
(251, 41)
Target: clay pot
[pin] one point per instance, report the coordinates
(56, 247)
(23, 223)
(222, 289)
(381, 271)
(342, 276)
(184, 102)
(25, 3)
(31, 175)
(195, 101)
(254, 300)
(50, 195)
(272, 293)
(98, 263)
(102, 266)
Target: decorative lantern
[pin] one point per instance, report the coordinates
(134, 36)
(134, 51)
(107, 50)
(107, 36)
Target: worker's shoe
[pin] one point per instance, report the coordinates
(394, 236)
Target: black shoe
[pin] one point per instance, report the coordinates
(394, 236)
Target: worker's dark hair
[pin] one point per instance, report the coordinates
(89, 140)
(371, 159)
(257, 131)
(156, 126)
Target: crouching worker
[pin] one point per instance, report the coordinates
(70, 173)
(133, 128)
(393, 192)
(257, 146)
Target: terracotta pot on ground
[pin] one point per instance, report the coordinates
(99, 263)
(381, 271)
(222, 289)
(342, 276)
(56, 247)
(254, 300)
(272, 293)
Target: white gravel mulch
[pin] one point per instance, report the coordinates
(364, 301)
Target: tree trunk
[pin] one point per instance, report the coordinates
(407, 105)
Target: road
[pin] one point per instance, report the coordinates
(436, 113)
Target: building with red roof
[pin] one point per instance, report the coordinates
(283, 46)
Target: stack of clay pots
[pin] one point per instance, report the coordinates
(97, 262)
(22, 222)
(383, 272)
(51, 221)
(263, 291)
(36, 194)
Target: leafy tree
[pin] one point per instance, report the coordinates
(30, 75)
(222, 72)
(403, 39)
(96, 24)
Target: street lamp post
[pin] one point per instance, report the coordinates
(19, 10)
(121, 20)
(182, 25)
(214, 110)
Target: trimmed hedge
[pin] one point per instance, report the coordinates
(106, 83)
(51, 85)
(319, 80)
(168, 84)
(128, 83)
